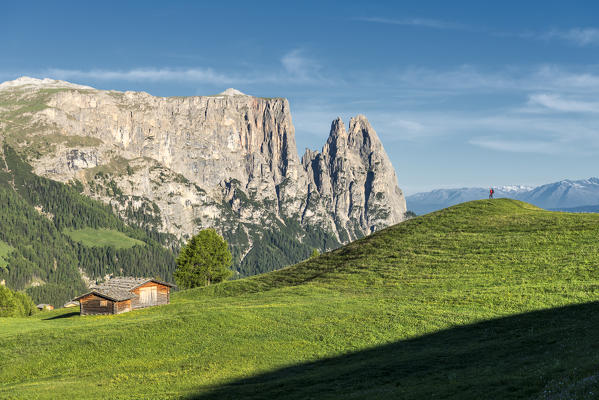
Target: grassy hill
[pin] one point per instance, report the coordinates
(494, 299)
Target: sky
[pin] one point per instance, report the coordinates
(461, 93)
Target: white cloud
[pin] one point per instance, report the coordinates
(410, 82)
(578, 36)
(301, 68)
(500, 130)
(295, 68)
(551, 76)
(296, 63)
(468, 79)
(408, 125)
(516, 146)
(198, 75)
(539, 134)
(559, 103)
(422, 22)
(512, 109)
(312, 123)
(465, 77)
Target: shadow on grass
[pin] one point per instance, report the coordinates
(66, 315)
(521, 356)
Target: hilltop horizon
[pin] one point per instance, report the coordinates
(565, 195)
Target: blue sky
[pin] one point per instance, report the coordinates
(461, 93)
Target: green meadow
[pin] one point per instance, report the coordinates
(100, 237)
(488, 299)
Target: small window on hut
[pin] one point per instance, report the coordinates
(103, 303)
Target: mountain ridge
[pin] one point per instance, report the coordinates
(228, 161)
(562, 195)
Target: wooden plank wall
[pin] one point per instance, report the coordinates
(122, 306)
(163, 295)
(92, 305)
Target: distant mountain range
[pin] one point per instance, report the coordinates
(565, 195)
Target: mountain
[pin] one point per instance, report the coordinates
(423, 203)
(487, 299)
(565, 195)
(54, 241)
(581, 209)
(227, 161)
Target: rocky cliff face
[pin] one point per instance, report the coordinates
(354, 179)
(228, 161)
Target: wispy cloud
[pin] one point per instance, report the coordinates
(508, 109)
(498, 130)
(299, 67)
(577, 36)
(468, 79)
(464, 77)
(555, 102)
(418, 22)
(536, 134)
(296, 67)
(198, 75)
(516, 146)
(510, 133)
(588, 36)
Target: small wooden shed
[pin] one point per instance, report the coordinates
(119, 295)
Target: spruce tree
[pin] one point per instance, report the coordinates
(205, 259)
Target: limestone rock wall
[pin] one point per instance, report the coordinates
(207, 161)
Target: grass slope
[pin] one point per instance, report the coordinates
(490, 298)
(5, 250)
(92, 237)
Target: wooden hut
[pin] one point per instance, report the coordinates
(119, 295)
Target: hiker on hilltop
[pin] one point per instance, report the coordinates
(491, 192)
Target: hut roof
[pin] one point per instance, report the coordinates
(119, 289)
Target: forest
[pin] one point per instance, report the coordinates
(42, 259)
(39, 254)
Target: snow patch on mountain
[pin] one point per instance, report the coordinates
(564, 194)
(232, 92)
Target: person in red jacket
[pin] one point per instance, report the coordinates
(491, 192)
